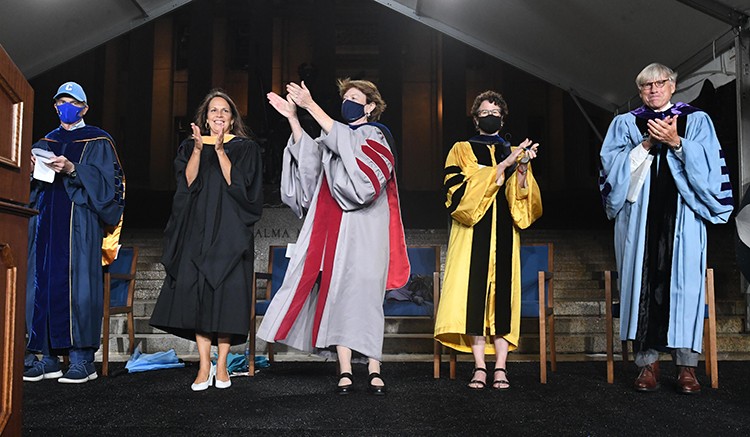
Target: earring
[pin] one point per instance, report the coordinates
(207, 124)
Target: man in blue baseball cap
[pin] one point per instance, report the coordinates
(70, 104)
(76, 232)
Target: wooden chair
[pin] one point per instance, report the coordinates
(419, 298)
(537, 301)
(277, 265)
(612, 311)
(119, 289)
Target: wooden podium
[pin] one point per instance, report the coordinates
(16, 110)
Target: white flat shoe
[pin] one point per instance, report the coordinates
(207, 383)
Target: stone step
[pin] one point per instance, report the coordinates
(413, 336)
(594, 307)
(421, 325)
(156, 274)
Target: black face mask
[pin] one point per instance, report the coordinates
(490, 124)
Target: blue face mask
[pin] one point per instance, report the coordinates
(352, 111)
(69, 113)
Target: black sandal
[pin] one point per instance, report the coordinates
(345, 389)
(482, 384)
(501, 381)
(377, 390)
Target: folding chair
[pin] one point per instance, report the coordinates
(612, 311)
(119, 289)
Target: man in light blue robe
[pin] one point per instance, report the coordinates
(663, 178)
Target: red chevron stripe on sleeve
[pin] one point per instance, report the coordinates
(377, 158)
(382, 150)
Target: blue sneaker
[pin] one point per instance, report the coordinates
(28, 361)
(79, 373)
(44, 369)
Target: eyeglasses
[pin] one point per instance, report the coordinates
(655, 84)
(486, 112)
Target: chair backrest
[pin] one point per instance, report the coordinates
(122, 274)
(277, 265)
(535, 258)
(416, 298)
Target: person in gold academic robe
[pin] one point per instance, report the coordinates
(491, 194)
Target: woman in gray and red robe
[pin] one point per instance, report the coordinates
(351, 247)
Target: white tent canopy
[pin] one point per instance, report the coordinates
(594, 49)
(41, 34)
(719, 71)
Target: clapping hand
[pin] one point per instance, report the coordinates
(285, 107)
(526, 147)
(530, 150)
(219, 145)
(300, 94)
(197, 138)
(664, 131)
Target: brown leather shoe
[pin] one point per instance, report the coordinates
(687, 383)
(648, 380)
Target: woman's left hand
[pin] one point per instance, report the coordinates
(530, 150)
(219, 146)
(300, 94)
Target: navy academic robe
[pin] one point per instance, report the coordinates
(64, 289)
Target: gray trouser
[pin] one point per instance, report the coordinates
(682, 357)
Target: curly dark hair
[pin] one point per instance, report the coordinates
(237, 128)
(492, 97)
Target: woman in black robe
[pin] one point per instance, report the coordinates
(208, 251)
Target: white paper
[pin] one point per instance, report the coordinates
(41, 171)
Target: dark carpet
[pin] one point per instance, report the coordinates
(298, 399)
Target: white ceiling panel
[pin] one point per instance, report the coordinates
(591, 48)
(40, 34)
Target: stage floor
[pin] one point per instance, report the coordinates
(296, 398)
